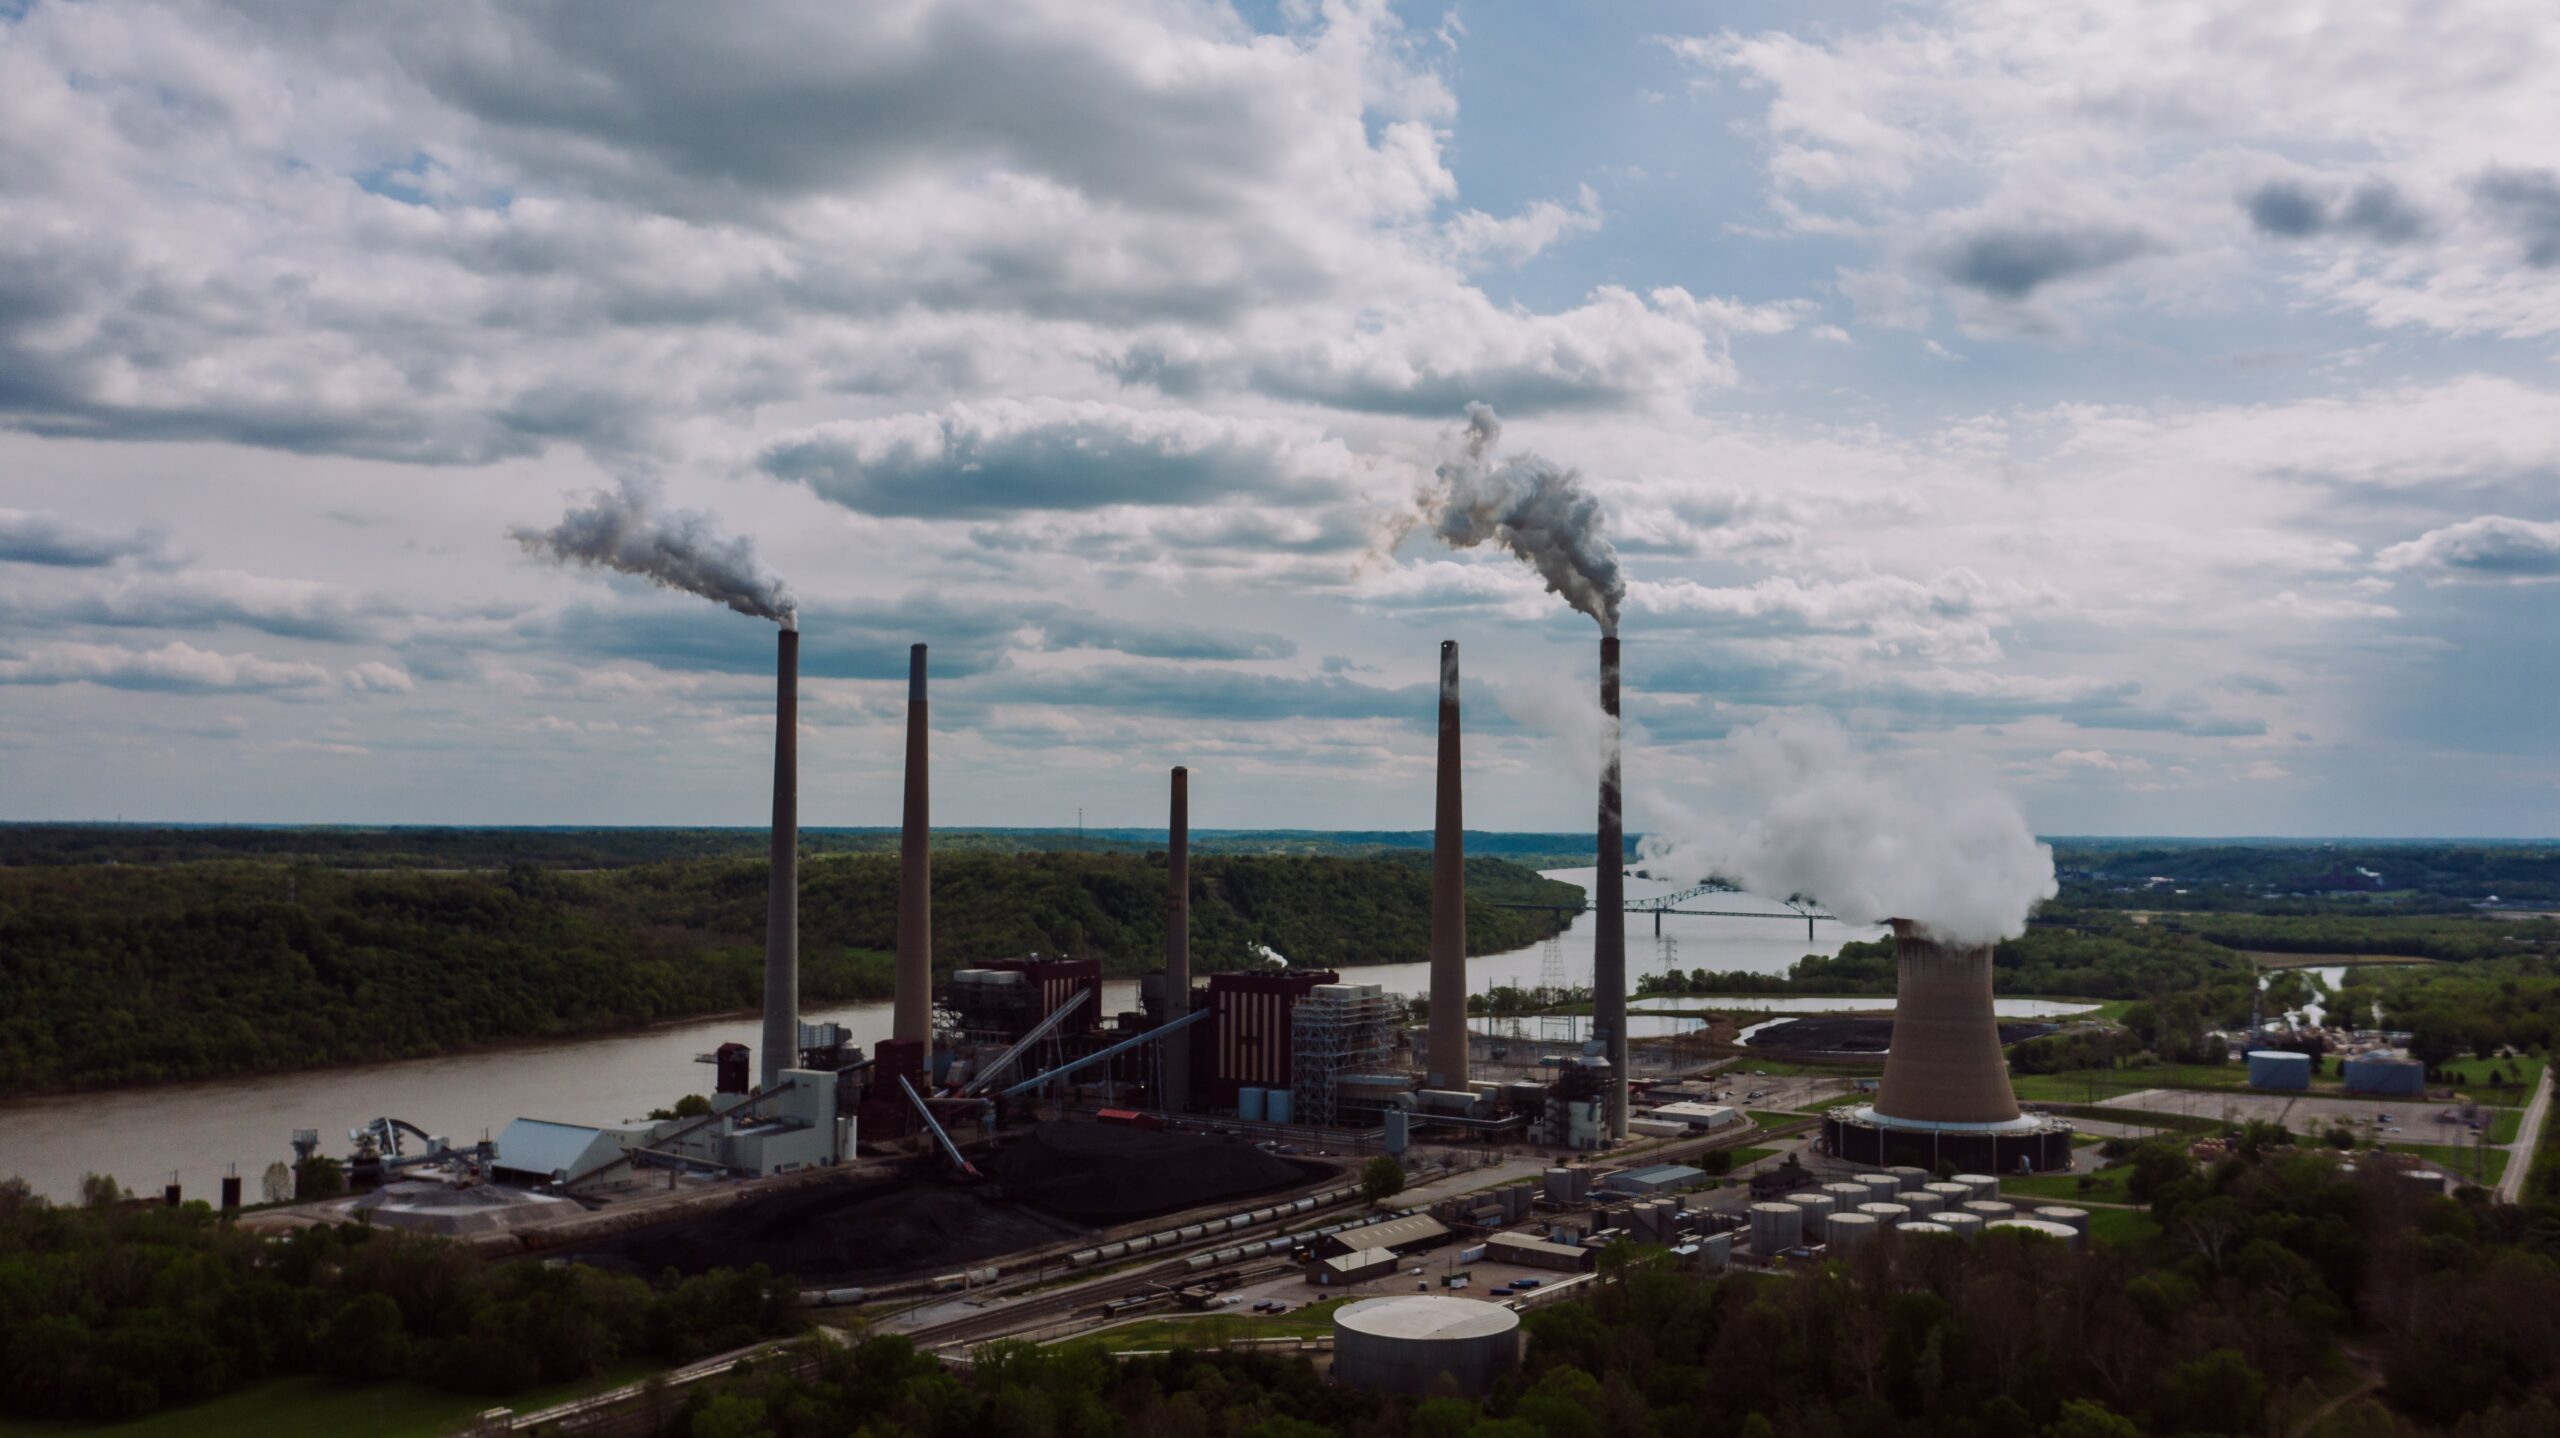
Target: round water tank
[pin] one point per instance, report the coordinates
(1991, 1210)
(1980, 1185)
(1959, 1222)
(2384, 1071)
(1845, 1194)
(1843, 1231)
(1922, 1201)
(2055, 1231)
(1411, 1343)
(1275, 1105)
(1881, 1187)
(1775, 1227)
(1886, 1215)
(2075, 1219)
(1249, 1104)
(1909, 1177)
(1925, 1228)
(1814, 1203)
(2279, 1069)
(1950, 1191)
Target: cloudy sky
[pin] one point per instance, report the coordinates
(2155, 407)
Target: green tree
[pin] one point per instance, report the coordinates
(365, 1341)
(1381, 1178)
(2086, 1418)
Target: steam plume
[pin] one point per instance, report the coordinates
(1538, 511)
(626, 531)
(1939, 846)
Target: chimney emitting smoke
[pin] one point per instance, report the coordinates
(1448, 1032)
(1609, 900)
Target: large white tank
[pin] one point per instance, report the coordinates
(1922, 1201)
(2075, 1219)
(1881, 1187)
(1924, 1228)
(1410, 1343)
(1909, 1177)
(1959, 1223)
(1844, 1231)
(1775, 1227)
(1814, 1202)
(1886, 1215)
(1981, 1185)
(1847, 1193)
(1952, 1192)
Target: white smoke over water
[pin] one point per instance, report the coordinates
(1536, 510)
(625, 531)
(1939, 845)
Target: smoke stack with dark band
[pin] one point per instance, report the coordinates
(1609, 938)
(1448, 1059)
(1177, 944)
(912, 1005)
(781, 1049)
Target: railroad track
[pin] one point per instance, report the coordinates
(1017, 1315)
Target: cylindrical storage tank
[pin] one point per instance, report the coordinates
(1979, 1185)
(1813, 1205)
(1959, 1222)
(2060, 1233)
(1249, 1104)
(1909, 1177)
(1111, 1251)
(2279, 1069)
(1846, 1193)
(1844, 1231)
(2384, 1071)
(1881, 1187)
(2075, 1219)
(1991, 1210)
(1420, 1344)
(1275, 1105)
(1951, 1192)
(1922, 1202)
(1921, 1227)
(1886, 1215)
(1776, 1227)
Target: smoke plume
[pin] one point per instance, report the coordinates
(1940, 846)
(625, 530)
(1538, 511)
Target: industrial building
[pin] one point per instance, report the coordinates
(1540, 1253)
(2387, 1073)
(1422, 1344)
(1413, 1234)
(2279, 1069)
(1661, 1178)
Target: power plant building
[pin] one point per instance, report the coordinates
(1252, 1018)
(1946, 1096)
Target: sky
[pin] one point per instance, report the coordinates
(2151, 410)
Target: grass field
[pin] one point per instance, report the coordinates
(2122, 1226)
(1742, 1156)
(2459, 1161)
(2065, 1187)
(1775, 1118)
(2472, 1076)
(316, 1405)
(1214, 1330)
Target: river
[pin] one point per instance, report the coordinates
(196, 1130)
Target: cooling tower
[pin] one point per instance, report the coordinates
(1177, 944)
(1609, 902)
(912, 1005)
(781, 1038)
(1448, 1060)
(1945, 1097)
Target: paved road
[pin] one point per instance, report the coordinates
(2520, 1153)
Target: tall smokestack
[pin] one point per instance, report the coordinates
(912, 1004)
(1177, 943)
(1609, 940)
(781, 1049)
(1448, 1063)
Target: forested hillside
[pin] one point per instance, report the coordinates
(125, 974)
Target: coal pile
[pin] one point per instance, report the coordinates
(1106, 1173)
(1845, 1034)
(830, 1231)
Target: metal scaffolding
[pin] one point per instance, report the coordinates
(1337, 1030)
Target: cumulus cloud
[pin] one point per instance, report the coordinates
(375, 677)
(2011, 262)
(175, 667)
(2375, 210)
(2527, 202)
(2492, 549)
(27, 538)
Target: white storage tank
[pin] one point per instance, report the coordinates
(1881, 1187)
(1910, 1178)
(1921, 1227)
(1776, 1227)
(1418, 1343)
(1950, 1193)
(1959, 1223)
(1922, 1201)
(1845, 1194)
(1886, 1215)
(1991, 1210)
(1979, 1185)
(2055, 1231)
(2075, 1219)
(1715, 1249)
(1845, 1231)
(2279, 1069)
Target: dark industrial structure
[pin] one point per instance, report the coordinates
(912, 1004)
(1448, 1056)
(781, 1035)
(1609, 934)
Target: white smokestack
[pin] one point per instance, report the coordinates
(1535, 509)
(1937, 843)
(625, 531)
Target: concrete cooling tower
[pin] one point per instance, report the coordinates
(1945, 1099)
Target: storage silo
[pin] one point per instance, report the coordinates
(1881, 1187)
(1847, 1193)
(1959, 1223)
(1978, 1185)
(1411, 1343)
(1775, 1228)
(1715, 1250)
(2075, 1219)
(1815, 1207)
(1275, 1105)
(1250, 1104)
(1886, 1215)
(1925, 1228)
(1949, 1192)
(2387, 1072)
(1844, 1231)
(1908, 1177)
(2060, 1233)
(1991, 1210)
(2279, 1069)
(1922, 1202)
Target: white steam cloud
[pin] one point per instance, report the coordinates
(1940, 846)
(1538, 511)
(625, 531)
